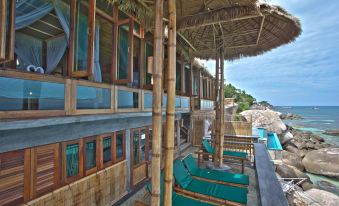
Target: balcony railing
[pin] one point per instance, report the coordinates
(29, 95)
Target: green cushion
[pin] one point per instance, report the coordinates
(180, 174)
(179, 200)
(207, 146)
(192, 166)
(236, 154)
(234, 194)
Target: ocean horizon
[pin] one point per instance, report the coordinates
(316, 119)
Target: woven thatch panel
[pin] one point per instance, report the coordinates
(238, 128)
(101, 188)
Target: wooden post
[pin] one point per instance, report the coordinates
(170, 112)
(222, 109)
(217, 110)
(157, 108)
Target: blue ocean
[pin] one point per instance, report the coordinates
(316, 120)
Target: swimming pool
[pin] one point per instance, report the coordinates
(273, 142)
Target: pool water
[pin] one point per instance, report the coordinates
(273, 142)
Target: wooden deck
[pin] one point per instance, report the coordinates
(270, 191)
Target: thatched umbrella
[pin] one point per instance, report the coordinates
(241, 30)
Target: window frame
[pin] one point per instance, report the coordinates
(101, 153)
(7, 40)
(97, 162)
(115, 159)
(146, 159)
(65, 179)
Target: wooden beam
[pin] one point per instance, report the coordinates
(261, 26)
(170, 112)
(181, 28)
(3, 12)
(11, 33)
(91, 39)
(186, 40)
(222, 109)
(217, 108)
(157, 98)
(71, 50)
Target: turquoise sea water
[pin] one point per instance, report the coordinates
(316, 120)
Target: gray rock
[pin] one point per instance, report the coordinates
(286, 171)
(267, 119)
(324, 185)
(323, 162)
(292, 160)
(323, 197)
(286, 137)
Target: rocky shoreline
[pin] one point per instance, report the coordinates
(302, 152)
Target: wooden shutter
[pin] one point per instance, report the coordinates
(44, 169)
(12, 178)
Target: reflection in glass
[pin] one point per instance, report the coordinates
(93, 98)
(106, 147)
(122, 72)
(72, 160)
(185, 102)
(119, 145)
(90, 152)
(142, 145)
(135, 147)
(20, 94)
(177, 102)
(148, 100)
(127, 99)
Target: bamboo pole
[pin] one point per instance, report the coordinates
(170, 107)
(157, 108)
(222, 109)
(217, 111)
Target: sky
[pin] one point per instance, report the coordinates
(302, 73)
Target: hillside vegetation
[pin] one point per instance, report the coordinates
(244, 100)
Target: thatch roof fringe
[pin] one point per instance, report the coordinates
(216, 16)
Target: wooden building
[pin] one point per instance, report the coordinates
(80, 83)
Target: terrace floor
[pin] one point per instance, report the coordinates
(252, 196)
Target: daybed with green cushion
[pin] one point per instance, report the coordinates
(178, 199)
(220, 177)
(218, 193)
(242, 156)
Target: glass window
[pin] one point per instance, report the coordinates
(148, 100)
(81, 40)
(120, 145)
(93, 98)
(128, 99)
(135, 146)
(148, 53)
(122, 72)
(164, 101)
(142, 145)
(106, 149)
(177, 102)
(90, 154)
(136, 28)
(20, 94)
(185, 102)
(136, 61)
(105, 43)
(72, 160)
(178, 77)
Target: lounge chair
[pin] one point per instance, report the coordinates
(222, 194)
(178, 199)
(225, 178)
(241, 156)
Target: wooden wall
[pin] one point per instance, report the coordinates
(238, 128)
(139, 173)
(102, 188)
(198, 131)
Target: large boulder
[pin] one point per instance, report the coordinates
(323, 162)
(325, 185)
(286, 137)
(286, 171)
(323, 197)
(292, 160)
(267, 119)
